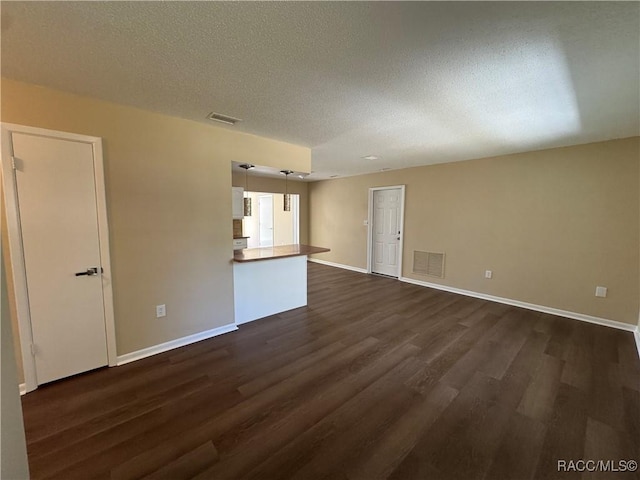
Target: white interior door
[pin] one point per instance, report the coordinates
(386, 231)
(57, 204)
(265, 207)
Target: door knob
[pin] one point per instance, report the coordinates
(91, 271)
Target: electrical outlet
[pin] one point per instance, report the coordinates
(161, 311)
(601, 291)
(488, 274)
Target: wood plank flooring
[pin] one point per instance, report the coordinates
(374, 379)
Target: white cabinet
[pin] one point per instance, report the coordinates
(239, 243)
(238, 205)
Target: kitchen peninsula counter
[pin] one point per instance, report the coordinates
(281, 251)
(270, 280)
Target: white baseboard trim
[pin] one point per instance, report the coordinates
(636, 334)
(179, 342)
(338, 265)
(23, 388)
(529, 306)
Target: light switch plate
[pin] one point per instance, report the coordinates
(601, 291)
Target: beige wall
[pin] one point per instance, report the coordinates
(276, 185)
(11, 299)
(282, 222)
(13, 447)
(168, 185)
(552, 224)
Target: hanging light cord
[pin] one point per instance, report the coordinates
(247, 199)
(287, 197)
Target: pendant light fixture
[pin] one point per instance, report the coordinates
(287, 197)
(247, 199)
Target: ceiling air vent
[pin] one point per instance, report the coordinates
(227, 120)
(428, 263)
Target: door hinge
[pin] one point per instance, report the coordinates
(16, 164)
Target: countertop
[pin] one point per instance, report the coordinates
(281, 251)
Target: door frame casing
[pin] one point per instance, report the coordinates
(370, 227)
(16, 250)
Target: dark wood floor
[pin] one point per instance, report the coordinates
(374, 379)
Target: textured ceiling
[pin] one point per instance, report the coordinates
(413, 83)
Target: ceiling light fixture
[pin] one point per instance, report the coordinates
(226, 119)
(370, 157)
(247, 199)
(287, 197)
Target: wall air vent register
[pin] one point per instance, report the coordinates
(428, 263)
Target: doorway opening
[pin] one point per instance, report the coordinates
(386, 231)
(54, 190)
(269, 225)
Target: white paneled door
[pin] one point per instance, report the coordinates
(386, 231)
(55, 189)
